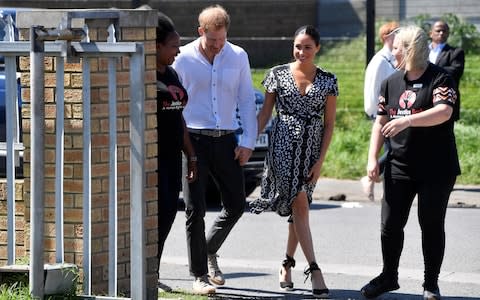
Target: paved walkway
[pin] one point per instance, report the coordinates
(462, 195)
(257, 279)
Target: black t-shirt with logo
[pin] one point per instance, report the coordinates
(171, 100)
(420, 153)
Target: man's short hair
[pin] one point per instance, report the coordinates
(213, 18)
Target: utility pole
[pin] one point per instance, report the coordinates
(370, 26)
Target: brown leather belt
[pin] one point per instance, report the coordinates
(211, 132)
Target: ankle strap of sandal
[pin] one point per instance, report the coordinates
(308, 271)
(288, 262)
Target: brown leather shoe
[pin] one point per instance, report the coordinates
(214, 274)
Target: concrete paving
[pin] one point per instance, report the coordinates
(250, 257)
(462, 195)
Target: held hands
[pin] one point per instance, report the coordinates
(395, 126)
(242, 154)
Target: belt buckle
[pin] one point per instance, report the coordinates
(217, 133)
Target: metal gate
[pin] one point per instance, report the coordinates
(59, 43)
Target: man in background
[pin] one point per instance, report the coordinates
(450, 58)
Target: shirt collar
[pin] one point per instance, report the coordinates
(438, 48)
(197, 48)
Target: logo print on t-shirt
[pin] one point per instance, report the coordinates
(407, 99)
(178, 98)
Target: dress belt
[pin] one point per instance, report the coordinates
(211, 132)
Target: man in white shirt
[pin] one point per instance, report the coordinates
(379, 68)
(216, 75)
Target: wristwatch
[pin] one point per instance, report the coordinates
(192, 158)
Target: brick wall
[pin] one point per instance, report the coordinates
(135, 25)
(21, 227)
(263, 28)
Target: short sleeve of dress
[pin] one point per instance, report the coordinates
(270, 82)
(333, 91)
(329, 81)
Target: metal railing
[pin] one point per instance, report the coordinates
(37, 48)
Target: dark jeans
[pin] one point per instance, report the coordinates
(432, 205)
(215, 157)
(169, 184)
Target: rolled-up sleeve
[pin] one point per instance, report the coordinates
(246, 105)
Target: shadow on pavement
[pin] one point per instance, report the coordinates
(297, 294)
(315, 206)
(244, 274)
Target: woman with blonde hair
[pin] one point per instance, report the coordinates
(415, 115)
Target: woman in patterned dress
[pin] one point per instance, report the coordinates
(304, 97)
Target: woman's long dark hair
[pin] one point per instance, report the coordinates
(164, 28)
(311, 31)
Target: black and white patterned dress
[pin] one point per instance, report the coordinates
(295, 138)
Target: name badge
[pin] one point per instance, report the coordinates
(417, 85)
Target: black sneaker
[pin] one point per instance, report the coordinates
(379, 285)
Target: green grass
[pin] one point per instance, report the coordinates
(14, 292)
(347, 156)
(183, 295)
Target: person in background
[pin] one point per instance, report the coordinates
(172, 134)
(304, 97)
(450, 58)
(416, 114)
(216, 74)
(379, 68)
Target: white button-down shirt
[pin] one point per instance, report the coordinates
(215, 91)
(379, 68)
(434, 52)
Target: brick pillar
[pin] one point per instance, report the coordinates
(21, 229)
(138, 26)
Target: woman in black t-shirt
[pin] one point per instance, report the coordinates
(173, 137)
(415, 114)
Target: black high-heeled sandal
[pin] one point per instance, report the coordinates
(287, 263)
(317, 293)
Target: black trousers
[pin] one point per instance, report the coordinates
(216, 158)
(169, 185)
(432, 205)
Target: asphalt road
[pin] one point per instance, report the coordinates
(347, 244)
